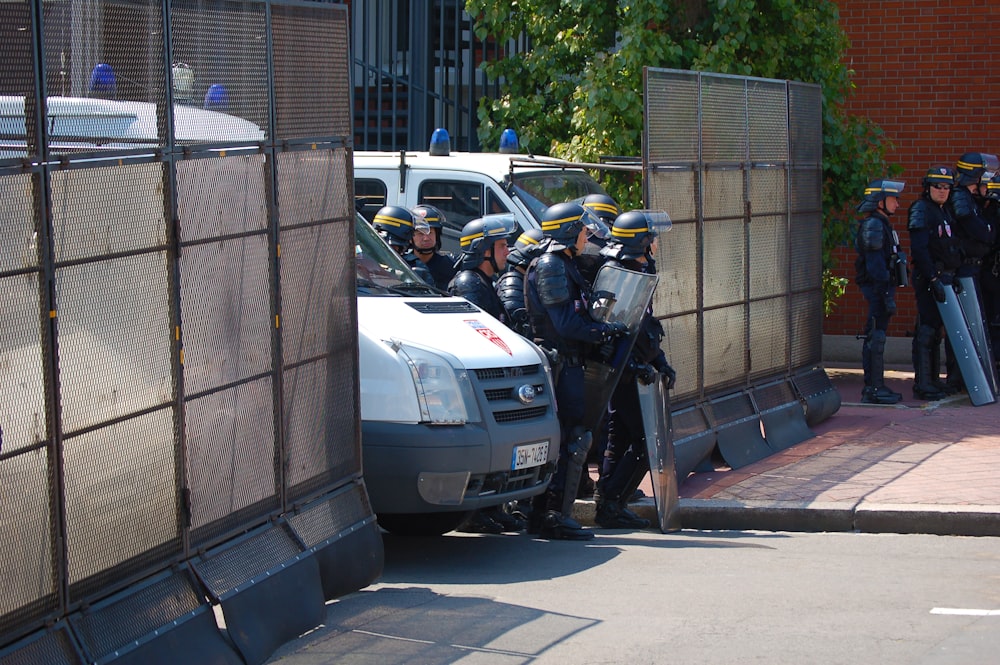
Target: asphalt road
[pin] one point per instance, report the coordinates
(690, 597)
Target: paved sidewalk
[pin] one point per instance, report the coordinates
(915, 467)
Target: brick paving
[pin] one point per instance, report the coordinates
(917, 465)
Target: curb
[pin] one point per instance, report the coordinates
(729, 515)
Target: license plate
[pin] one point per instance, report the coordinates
(530, 454)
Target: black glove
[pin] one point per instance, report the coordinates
(606, 350)
(614, 330)
(645, 373)
(664, 368)
(890, 304)
(946, 278)
(937, 288)
(957, 285)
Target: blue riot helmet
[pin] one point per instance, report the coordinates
(879, 190)
(603, 206)
(102, 80)
(562, 223)
(528, 245)
(635, 231)
(993, 188)
(433, 217)
(479, 236)
(971, 166)
(939, 175)
(395, 225)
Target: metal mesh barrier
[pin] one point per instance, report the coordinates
(737, 162)
(177, 359)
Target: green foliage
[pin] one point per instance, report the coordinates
(577, 93)
(834, 288)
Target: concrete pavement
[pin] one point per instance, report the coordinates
(915, 467)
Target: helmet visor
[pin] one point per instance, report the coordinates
(502, 225)
(991, 165)
(658, 220)
(594, 224)
(892, 187)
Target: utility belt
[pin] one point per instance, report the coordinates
(972, 261)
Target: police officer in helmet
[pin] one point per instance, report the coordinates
(976, 234)
(626, 461)
(936, 256)
(557, 298)
(394, 224)
(876, 246)
(484, 256)
(427, 244)
(604, 208)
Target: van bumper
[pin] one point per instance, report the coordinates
(413, 468)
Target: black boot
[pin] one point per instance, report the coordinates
(935, 369)
(481, 522)
(876, 392)
(612, 515)
(923, 388)
(557, 527)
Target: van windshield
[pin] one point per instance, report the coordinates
(540, 189)
(380, 270)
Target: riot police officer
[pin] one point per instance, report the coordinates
(590, 260)
(975, 232)
(557, 298)
(876, 246)
(510, 286)
(989, 275)
(484, 256)
(631, 246)
(394, 224)
(936, 256)
(427, 244)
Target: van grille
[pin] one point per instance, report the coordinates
(499, 385)
(518, 415)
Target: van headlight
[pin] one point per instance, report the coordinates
(444, 392)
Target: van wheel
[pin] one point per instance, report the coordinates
(421, 524)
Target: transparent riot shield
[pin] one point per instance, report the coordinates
(969, 301)
(964, 349)
(654, 401)
(618, 295)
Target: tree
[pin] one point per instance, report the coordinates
(577, 92)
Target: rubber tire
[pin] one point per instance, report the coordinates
(422, 524)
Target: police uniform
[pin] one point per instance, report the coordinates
(875, 244)
(936, 255)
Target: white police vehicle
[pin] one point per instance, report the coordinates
(457, 410)
(465, 186)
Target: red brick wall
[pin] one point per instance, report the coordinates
(925, 72)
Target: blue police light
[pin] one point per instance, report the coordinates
(216, 99)
(102, 79)
(508, 142)
(440, 142)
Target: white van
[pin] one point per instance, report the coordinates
(466, 185)
(457, 410)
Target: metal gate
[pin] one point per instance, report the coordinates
(737, 162)
(416, 68)
(178, 369)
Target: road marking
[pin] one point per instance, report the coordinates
(965, 612)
